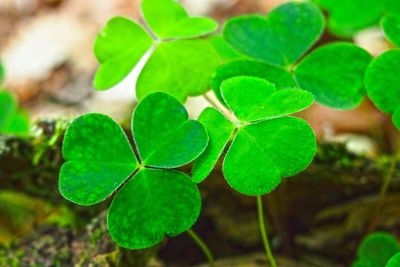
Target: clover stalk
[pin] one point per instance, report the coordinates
(203, 247)
(263, 231)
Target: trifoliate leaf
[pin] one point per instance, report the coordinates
(396, 118)
(8, 105)
(153, 204)
(180, 68)
(263, 152)
(382, 81)
(225, 52)
(169, 20)
(253, 99)
(163, 134)
(378, 248)
(278, 76)
(391, 27)
(13, 121)
(219, 131)
(279, 39)
(98, 158)
(394, 261)
(348, 17)
(392, 6)
(118, 48)
(334, 73)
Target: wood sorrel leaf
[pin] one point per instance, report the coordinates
(8, 105)
(180, 68)
(396, 118)
(13, 121)
(378, 248)
(278, 76)
(219, 131)
(391, 27)
(348, 17)
(98, 158)
(225, 52)
(253, 99)
(169, 20)
(334, 73)
(155, 203)
(394, 261)
(263, 152)
(382, 81)
(392, 6)
(279, 39)
(118, 48)
(163, 134)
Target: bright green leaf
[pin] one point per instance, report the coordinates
(153, 204)
(13, 121)
(346, 17)
(279, 77)
(225, 52)
(163, 134)
(391, 27)
(378, 248)
(264, 152)
(168, 20)
(396, 118)
(98, 158)
(382, 81)
(392, 6)
(279, 39)
(334, 73)
(118, 48)
(253, 99)
(394, 261)
(180, 68)
(8, 105)
(219, 130)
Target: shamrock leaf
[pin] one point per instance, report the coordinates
(118, 48)
(391, 27)
(225, 52)
(168, 20)
(12, 120)
(167, 141)
(99, 159)
(181, 68)
(382, 80)
(394, 261)
(262, 152)
(150, 203)
(153, 204)
(396, 118)
(326, 73)
(253, 99)
(279, 39)
(376, 250)
(279, 77)
(219, 131)
(348, 17)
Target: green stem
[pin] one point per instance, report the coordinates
(202, 245)
(263, 231)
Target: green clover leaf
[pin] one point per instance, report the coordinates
(169, 20)
(13, 120)
(396, 118)
(382, 80)
(376, 250)
(280, 77)
(394, 261)
(118, 48)
(279, 39)
(263, 149)
(151, 203)
(339, 85)
(182, 68)
(391, 27)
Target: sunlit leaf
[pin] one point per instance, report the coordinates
(391, 27)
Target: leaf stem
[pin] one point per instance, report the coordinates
(263, 231)
(203, 247)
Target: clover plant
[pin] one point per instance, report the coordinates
(378, 249)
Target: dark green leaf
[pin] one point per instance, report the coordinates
(334, 73)
(279, 39)
(280, 77)
(180, 68)
(155, 203)
(119, 47)
(396, 118)
(168, 19)
(98, 158)
(264, 152)
(394, 261)
(391, 27)
(219, 131)
(382, 81)
(163, 134)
